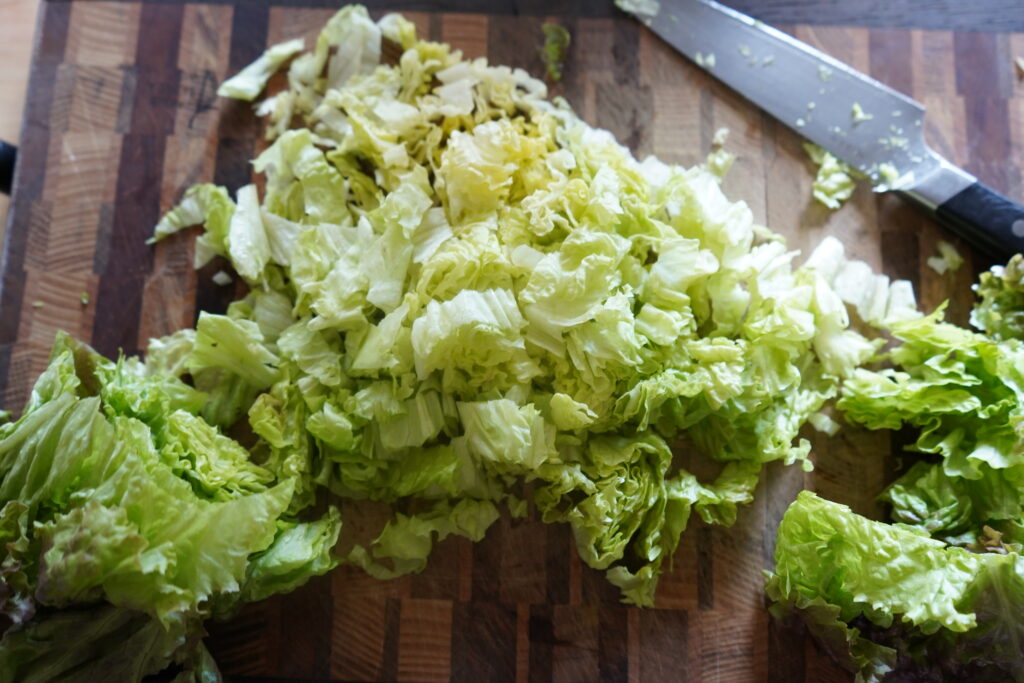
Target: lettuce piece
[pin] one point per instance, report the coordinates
(235, 346)
(556, 43)
(300, 550)
(886, 598)
(248, 246)
(405, 543)
(250, 81)
(207, 205)
(959, 510)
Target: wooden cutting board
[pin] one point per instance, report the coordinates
(122, 116)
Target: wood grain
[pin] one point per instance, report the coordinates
(123, 118)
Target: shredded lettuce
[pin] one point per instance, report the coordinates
(481, 290)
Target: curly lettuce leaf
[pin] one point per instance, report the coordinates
(1000, 312)
(885, 598)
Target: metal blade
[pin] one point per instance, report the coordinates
(815, 95)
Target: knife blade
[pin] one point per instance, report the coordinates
(863, 122)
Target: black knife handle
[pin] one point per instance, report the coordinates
(8, 155)
(986, 218)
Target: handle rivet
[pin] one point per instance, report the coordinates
(1018, 227)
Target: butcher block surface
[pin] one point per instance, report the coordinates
(122, 116)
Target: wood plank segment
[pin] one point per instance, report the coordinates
(137, 201)
(28, 220)
(130, 120)
(466, 32)
(425, 641)
(103, 33)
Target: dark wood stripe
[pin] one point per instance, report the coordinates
(900, 225)
(509, 43)
(987, 120)
(53, 34)
(663, 646)
(29, 177)
(435, 30)
(440, 580)
(483, 641)
(986, 117)
(786, 652)
(612, 651)
(305, 653)
(488, 553)
(389, 655)
(542, 642)
(237, 135)
(978, 66)
(558, 546)
(137, 198)
(129, 259)
(238, 645)
(705, 568)
(596, 589)
(891, 59)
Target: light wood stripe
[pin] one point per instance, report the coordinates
(102, 33)
(425, 640)
(468, 32)
(357, 638)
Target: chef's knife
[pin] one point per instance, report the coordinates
(867, 124)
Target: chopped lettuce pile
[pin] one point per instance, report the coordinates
(458, 288)
(939, 593)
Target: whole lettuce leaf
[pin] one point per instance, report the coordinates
(125, 516)
(887, 600)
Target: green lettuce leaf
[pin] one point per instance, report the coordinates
(1000, 312)
(886, 598)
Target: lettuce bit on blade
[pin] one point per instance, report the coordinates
(886, 599)
(458, 287)
(834, 182)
